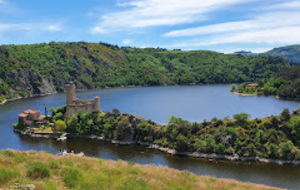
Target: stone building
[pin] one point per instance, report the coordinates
(31, 118)
(75, 105)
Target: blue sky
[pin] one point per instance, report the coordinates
(219, 25)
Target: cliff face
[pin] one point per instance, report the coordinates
(28, 83)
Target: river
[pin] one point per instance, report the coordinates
(193, 103)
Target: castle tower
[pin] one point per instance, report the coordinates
(70, 93)
(97, 104)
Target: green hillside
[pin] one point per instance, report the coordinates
(40, 170)
(285, 84)
(291, 53)
(27, 70)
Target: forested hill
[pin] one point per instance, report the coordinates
(291, 53)
(27, 70)
(285, 84)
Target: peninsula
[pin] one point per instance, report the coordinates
(272, 139)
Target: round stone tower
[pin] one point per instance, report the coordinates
(97, 104)
(70, 93)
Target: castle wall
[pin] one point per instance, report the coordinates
(91, 107)
(74, 105)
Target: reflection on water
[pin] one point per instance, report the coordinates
(159, 103)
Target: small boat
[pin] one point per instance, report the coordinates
(63, 137)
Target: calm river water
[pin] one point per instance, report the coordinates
(193, 103)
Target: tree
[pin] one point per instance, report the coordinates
(60, 126)
(233, 87)
(116, 111)
(53, 111)
(241, 117)
(58, 116)
(295, 125)
(285, 148)
(272, 150)
(285, 115)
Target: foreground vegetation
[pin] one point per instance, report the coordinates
(271, 137)
(45, 171)
(27, 70)
(285, 84)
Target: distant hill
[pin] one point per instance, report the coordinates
(243, 52)
(36, 69)
(291, 53)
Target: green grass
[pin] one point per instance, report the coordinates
(47, 171)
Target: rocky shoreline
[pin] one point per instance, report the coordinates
(243, 94)
(209, 156)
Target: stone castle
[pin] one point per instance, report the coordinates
(75, 105)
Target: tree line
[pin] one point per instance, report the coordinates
(270, 137)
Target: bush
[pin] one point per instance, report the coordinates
(38, 170)
(241, 117)
(6, 175)
(60, 126)
(71, 177)
(116, 111)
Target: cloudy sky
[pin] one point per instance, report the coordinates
(219, 25)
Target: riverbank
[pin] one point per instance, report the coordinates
(208, 156)
(278, 97)
(47, 171)
(243, 94)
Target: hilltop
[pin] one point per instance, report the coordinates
(38, 69)
(40, 170)
(291, 53)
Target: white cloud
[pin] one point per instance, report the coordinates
(98, 29)
(287, 35)
(276, 28)
(126, 41)
(30, 27)
(285, 5)
(53, 27)
(261, 22)
(146, 13)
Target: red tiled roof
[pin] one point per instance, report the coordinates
(23, 115)
(41, 117)
(30, 111)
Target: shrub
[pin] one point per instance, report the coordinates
(6, 175)
(38, 170)
(116, 111)
(71, 176)
(60, 126)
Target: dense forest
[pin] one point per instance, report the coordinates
(285, 84)
(291, 53)
(270, 137)
(27, 70)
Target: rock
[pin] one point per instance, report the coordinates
(17, 186)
